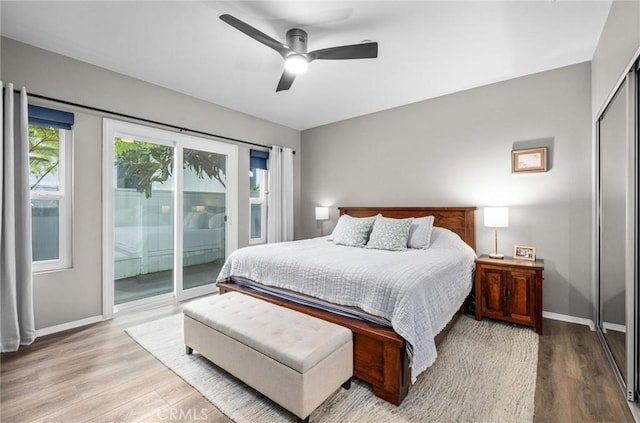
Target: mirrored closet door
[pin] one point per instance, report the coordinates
(617, 228)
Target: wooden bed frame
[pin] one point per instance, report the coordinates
(380, 356)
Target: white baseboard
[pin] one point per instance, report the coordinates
(69, 325)
(569, 319)
(613, 327)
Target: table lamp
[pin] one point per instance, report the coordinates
(322, 214)
(496, 217)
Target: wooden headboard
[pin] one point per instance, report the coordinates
(460, 220)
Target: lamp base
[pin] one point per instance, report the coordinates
(496, 256)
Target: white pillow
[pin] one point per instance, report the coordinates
(338, 227)
(420, 232)
(352, 231)
(390, 234)
(444, 236)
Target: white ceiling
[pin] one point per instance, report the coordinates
(426, 48)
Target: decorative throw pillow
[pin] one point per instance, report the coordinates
(390, 234)
(340, 225)
(352, 231)
(420, 233)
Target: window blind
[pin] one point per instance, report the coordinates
(258, 159)
(44, 116)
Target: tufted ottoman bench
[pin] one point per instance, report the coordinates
(294, 359)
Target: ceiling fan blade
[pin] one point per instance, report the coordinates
(354, 51)
(285, 81)
(256, 34)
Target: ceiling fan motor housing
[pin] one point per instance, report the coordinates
(295, 51)
(297, 40)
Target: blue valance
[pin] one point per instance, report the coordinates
(49, 117)
(258, 159)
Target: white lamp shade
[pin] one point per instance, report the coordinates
(496, 217)
(322, 213)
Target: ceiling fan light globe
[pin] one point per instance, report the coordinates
(296, 64)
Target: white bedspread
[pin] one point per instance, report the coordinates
(419, 291)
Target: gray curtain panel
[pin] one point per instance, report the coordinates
(17, 325)
(280, 197)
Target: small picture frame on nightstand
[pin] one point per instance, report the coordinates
(520, 252)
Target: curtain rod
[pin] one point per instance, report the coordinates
(155, 122)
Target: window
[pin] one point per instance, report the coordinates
(50, 146)
(257, 196)
(257, 203)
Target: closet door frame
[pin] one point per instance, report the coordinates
(629, 381)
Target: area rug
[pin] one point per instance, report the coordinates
(485, 372)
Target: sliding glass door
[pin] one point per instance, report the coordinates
(169, 201)
(204, 199)
(143, 221)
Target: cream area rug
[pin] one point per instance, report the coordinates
(485, 372)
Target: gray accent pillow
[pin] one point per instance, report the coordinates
(352, 231)
(390, 234)
(420, 233)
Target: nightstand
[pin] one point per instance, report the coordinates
(510, 290)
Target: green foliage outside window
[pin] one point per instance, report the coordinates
(145, 163)
(44, 152)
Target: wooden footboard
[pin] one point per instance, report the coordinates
(379, 354)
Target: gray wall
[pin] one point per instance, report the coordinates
(456, 150)
(619, 41)
(74, 294)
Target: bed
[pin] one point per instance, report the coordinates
(381, 354)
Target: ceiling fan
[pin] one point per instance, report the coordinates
(295, 51)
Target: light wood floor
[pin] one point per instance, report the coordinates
(99, 374)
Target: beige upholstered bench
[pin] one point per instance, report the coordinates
(294, 359)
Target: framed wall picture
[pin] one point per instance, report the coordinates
(520, 252)
(531, 160)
